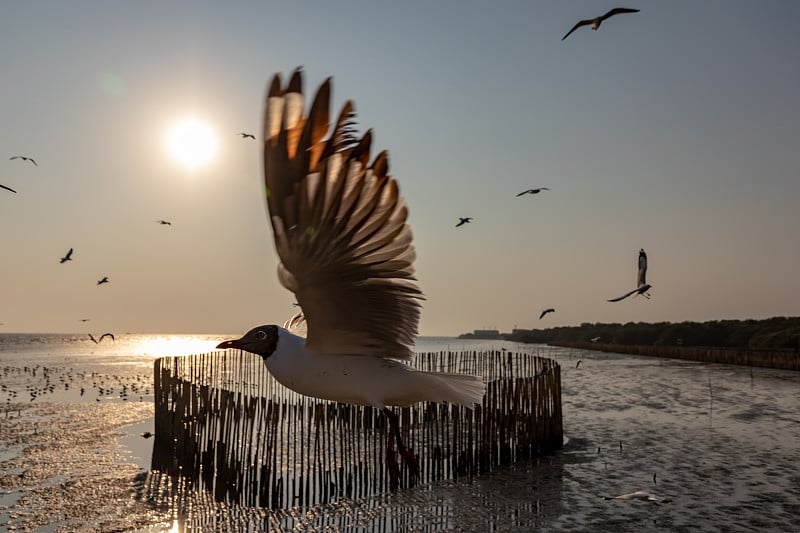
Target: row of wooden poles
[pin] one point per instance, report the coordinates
(778, 359)
(224, 424)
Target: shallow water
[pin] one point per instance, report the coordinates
(721, 441)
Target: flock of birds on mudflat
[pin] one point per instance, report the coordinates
(54, 380)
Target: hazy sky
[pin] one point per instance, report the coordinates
(676, 130)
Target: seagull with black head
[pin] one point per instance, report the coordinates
(345, 250)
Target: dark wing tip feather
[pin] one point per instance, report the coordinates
(296, 81)
(275, 86)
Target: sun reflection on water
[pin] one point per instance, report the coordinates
(171, 345)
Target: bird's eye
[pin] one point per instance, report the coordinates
(261, 335)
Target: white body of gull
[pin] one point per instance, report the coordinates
(339, 226)
(641, 280)
(595, 22)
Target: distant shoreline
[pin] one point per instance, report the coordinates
(778, 359)
(780, 334)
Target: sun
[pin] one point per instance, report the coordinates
(192, 142)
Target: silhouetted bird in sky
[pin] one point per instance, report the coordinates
(463, 220)
(67, 257)
(93, 339)
(24, 158)
(8, 188)
(104, 280)
(578, 363)
(549, 310)
(534, 191)
(595, 22)
(164, 222)
(641, 282)
(104, 335)
(85, 319)
(247, 136)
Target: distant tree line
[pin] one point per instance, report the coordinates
(772, 333)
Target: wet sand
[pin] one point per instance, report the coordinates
(723, 443)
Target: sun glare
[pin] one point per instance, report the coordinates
(192, 142)
(171, 345)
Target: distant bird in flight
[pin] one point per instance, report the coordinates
(595, 22)
(24, 158)
(594, 339)
(641, 283)
(8, 188)
(67, 257)
(534, 191)
(247, 136)
(463, 220)
(549, 310)
(164, 222)
(85, 319)
(103, 336)
(104, 280)
(578, 363)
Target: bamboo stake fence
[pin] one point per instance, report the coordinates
(224, 424)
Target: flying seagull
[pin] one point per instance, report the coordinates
(549, 310)
(639, 495)
(164, 222)
(247, 136)
(104, 280)
(463, 220)
(534, 191)
(595, 22)
(104, 335)
(24, 158)
(641, 283)
(345, 250)
(8, 188)
(67, 257)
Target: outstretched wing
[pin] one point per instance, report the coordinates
(641, 277)
(578, 25)
(8, 188)
(623, 296)
(340, 228)
(618, 11)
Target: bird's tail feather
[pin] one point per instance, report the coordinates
(460, 389)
